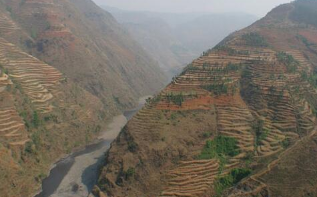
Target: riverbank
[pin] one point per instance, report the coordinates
(76, 174)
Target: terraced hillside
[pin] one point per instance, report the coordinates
(86, 44)
(235, 118)
(42, 117)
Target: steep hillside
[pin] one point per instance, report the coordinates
(239, 121)
(87, 45)
(42, 116)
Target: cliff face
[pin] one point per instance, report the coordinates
(239, 121)
(85, 43)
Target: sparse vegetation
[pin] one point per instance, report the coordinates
(35, 120)
(286, 143)
(234, 177)
(177, 99)
(289, 61)
(260, 132)
(132, 146)
(29, 147)
(33, 33)
(153, 100)
(312, 78)
(305, 41)
(129, 173)
(229, 50)
(217, 89)
(246, 73)
(206, 134)
(254, 39)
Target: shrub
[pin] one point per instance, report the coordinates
(234, 177)
(35, 120)
(217, 89)
(246, 73)
(286, 143)
(220, 146)
(132, 146)
(260, 132)
(129, 173)
(176, 99)
(206, 134)
(288, 60)
(29, 147)
(254, 39)
(33, 33)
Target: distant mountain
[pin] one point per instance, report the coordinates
(174, 40)
(239, 121)
(206, 31)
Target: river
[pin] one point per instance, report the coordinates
(75, 175)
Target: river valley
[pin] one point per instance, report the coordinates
(75, 175)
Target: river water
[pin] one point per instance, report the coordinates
(75, 175)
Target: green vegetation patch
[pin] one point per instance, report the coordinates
(177, 99)
(255, 40)
(260, 132)
(36, 120)
(221, 146)
(129, 173)
(311, 78)
(288, 60)
(234, 177)
(217, 89)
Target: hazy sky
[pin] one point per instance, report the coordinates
(255, 7)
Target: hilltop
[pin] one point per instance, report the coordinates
(238, 121)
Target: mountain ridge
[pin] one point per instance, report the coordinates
(234, 119)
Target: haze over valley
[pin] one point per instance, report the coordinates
(175, 39)
(181, 98)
